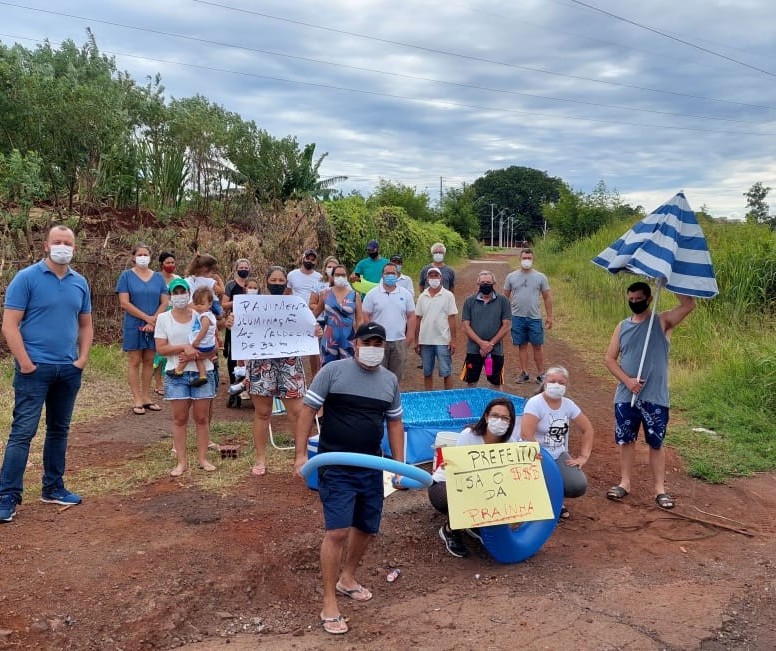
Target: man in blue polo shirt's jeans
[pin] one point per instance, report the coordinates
(47, 324)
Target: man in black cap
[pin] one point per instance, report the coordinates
(370, 268)
(359, 397)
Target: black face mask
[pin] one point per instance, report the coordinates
(639, 307)
(243, 273)
(486, 289)
(373, 254)
(276, 289)
(307, 264)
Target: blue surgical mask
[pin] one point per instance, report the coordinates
(390, 279)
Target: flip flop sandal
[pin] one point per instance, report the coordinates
(139, 410)
(564, 513)
(159, 392)
(152, 406)
(616, 493)
(259, 470)
(359, 593)
(335, 625)
(665, 501)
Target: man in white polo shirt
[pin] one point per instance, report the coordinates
(435, 313)
(393, 308)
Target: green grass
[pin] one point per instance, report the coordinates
(105, 394)
(723, 357)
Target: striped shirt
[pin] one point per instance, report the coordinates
(356, 403)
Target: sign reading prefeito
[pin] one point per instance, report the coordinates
(495, 484)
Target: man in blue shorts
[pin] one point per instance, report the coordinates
(358, 396)
(650, 410)
(47, 325)
(524, 287)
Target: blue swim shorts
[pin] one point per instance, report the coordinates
(654, 419)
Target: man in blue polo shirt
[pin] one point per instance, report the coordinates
(47, 325)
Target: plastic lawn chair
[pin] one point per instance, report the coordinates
(279, 409)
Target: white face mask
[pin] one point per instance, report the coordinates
(329, 271)
(340, 281)
(555, 389)
(370, 355)
(143, 261)
(497, 426)
(526, 264)
(61, 253)
(179, 300)
(251, 291)
(434, 283)
(437, 257)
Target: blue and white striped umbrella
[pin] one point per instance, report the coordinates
(668, 244)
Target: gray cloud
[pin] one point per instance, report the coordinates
(548, 84)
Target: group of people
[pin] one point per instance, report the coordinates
(364, 344)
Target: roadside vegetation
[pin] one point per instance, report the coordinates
(723, 357)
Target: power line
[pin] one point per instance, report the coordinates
(453, 83)
(437, 102)
(418, 47)
(454, 54)
(668, 36)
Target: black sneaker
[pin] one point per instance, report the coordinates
(453, 541)
(523, 378)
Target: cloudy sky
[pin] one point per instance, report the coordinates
(651, 97)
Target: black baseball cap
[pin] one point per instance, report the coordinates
(397, 257)
(370, 330)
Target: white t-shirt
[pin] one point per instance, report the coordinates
(209, 340)
(390, 310)
(405, 281)
(553, 426)
(195, 282)
(468, 437)
(302, 284)
(435, 312)
(177, 334)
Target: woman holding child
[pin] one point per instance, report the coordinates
(143, 296)
(186, 395)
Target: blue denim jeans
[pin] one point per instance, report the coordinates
(56, 386)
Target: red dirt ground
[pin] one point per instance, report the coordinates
(172, 566)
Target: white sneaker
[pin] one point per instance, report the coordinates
(234, 389)
(239, 372)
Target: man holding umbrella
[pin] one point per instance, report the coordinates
(641, 398)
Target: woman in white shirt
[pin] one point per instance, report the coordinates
(172, 339)
(547, 419)
(498, 424)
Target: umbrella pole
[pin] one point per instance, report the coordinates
(646, 341)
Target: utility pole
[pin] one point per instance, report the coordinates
(492, 208)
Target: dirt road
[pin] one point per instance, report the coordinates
(172, 566)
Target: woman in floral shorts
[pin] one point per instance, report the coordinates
(281, 377)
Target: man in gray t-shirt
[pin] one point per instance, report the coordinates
(524, 287)
(648, 386)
